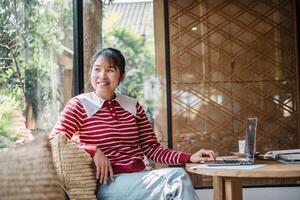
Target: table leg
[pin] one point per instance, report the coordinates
(233, 189)
(218, 185)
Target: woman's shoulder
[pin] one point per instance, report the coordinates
(74, 106)
(90, 102)
(125, 98)
(74, 101)
(128, 103)
(85, 95)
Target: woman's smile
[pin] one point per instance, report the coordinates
(105, 77)
(103, 83)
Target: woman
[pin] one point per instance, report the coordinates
(115, 130)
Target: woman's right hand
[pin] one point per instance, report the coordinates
(103, 167)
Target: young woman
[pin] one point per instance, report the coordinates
(115, 130)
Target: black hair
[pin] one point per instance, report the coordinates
(113, 55)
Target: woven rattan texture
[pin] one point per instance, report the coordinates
(27, 172)
(75, 168)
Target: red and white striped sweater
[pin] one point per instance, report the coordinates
(123, 133)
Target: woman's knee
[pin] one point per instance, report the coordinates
(173, 174)
(178, 171)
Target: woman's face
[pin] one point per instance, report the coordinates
(105, 77)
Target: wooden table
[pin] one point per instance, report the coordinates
(227, 183)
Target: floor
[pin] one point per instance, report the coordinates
(276, 193)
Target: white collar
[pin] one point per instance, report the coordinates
(92, 103)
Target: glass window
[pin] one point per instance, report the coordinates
(228, 64)
(128, 26)
(35, 66)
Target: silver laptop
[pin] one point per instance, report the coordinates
(250, 146)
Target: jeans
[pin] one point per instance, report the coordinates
(161, 184)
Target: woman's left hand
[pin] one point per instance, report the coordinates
(202, 156)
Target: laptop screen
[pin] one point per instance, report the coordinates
(250, 138)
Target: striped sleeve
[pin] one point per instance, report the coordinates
(150, 145)
(70, 119)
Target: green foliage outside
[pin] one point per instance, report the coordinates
(30, 36)
(139, 62)
(8, 135)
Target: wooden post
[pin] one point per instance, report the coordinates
(218, 185)
(233, 189)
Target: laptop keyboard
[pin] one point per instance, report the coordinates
(233, 161)
(228, 162)
(225, 161)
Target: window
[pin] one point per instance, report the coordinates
(128, 26)
(35, 66)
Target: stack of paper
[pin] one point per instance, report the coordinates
(290, 156)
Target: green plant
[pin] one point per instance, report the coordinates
(31, 35)
(8, 135)
(139, 62)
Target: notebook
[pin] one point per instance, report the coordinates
(289, 158)
(249, 152)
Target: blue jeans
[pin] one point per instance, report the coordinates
(161, 184)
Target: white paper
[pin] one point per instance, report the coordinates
(246, 167)
(275, 154)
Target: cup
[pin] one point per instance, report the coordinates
(241, 146)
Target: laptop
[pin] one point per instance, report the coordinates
(250, 146)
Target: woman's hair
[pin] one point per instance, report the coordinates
(113, 55)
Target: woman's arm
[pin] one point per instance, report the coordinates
(69, 123)
(69, 120)
(153, 150)
(150, 145)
